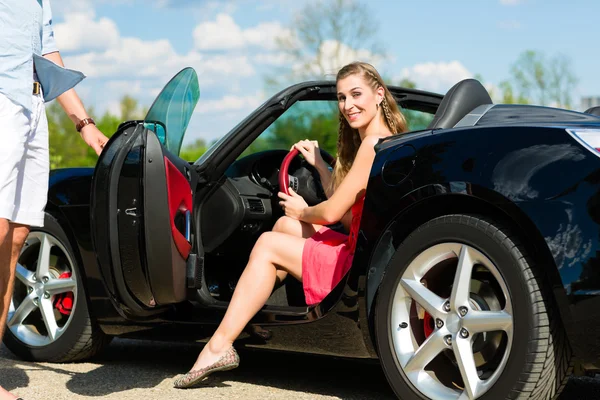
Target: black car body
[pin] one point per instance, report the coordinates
(158, 244)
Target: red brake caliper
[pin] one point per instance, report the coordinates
(427, 325)
(64, 302)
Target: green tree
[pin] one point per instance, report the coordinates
(299, 123)
(407, 83)
(544, 81)
(508, 95)
(325, 35)
(416, 120)
(67, 149)
(193, 151)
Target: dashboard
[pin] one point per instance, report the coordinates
(245, 202)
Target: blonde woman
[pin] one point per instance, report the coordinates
(300, 243)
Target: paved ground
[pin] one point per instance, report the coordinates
(144, 371)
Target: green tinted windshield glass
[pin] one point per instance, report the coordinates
(173, 109)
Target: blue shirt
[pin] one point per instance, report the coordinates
(25, 36)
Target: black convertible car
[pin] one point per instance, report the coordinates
(476, 273)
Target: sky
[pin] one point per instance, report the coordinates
(133, 47)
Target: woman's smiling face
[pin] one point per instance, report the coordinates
(357, 101)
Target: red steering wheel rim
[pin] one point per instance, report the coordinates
(284, 180)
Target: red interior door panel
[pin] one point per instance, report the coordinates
(180, 201)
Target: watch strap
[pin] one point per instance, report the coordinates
(84, 122)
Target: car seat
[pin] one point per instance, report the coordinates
(593, 110)
(461, 99)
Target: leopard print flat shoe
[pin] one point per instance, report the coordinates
(228, 361)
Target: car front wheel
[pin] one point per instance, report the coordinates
(463, 313)
(48, 318)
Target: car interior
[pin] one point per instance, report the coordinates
(246, 202)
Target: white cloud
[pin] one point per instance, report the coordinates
(333, 55)
(157, 59)
(81, 32)
(436, 77)
(230, 103)
(224, 33)
(277, 59)
(511, 2)
(125, 86)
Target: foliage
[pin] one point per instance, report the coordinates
(193, 151)
(325, 35)
(300, 122)
(509, 96)
(417, 120)
(545, 81)
(67, 148)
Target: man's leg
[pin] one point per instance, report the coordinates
(6, 272)
(16, 129)
(12, 238)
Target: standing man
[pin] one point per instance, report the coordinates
(31, 73)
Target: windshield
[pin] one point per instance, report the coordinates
(171, 111)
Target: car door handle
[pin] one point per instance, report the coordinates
(188, 225)
(132, 212)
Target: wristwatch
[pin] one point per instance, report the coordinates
(84, 122)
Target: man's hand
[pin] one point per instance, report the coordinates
(94, 138)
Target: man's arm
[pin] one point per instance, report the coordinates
(69, 100)
(71, 103)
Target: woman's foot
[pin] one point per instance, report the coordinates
(224, 362)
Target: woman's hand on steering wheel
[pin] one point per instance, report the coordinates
(293, 204)
(311, 152)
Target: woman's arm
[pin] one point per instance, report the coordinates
(340, 202)
(312, 154)
(325, 175)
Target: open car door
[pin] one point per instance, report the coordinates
(142, 204)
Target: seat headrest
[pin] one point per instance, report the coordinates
(461, 99)
(593, 110)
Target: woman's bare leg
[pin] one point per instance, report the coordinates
(5, 394)
(293, 227)
(273, 251)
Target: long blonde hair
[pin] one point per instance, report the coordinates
(348, 138)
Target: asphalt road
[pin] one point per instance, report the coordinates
(144, 370)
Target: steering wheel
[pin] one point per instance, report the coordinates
(285, 179)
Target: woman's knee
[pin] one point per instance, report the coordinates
(288, 225)
(263, 244)
(268, 245)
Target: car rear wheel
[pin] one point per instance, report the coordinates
(48, 318)
(463, 313)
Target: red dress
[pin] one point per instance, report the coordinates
(327, 256)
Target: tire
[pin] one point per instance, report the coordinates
(76, 336)
(522, 353)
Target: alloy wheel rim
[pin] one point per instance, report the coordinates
(471, 322)
(33, 317)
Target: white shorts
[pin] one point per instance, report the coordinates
(24, 161)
